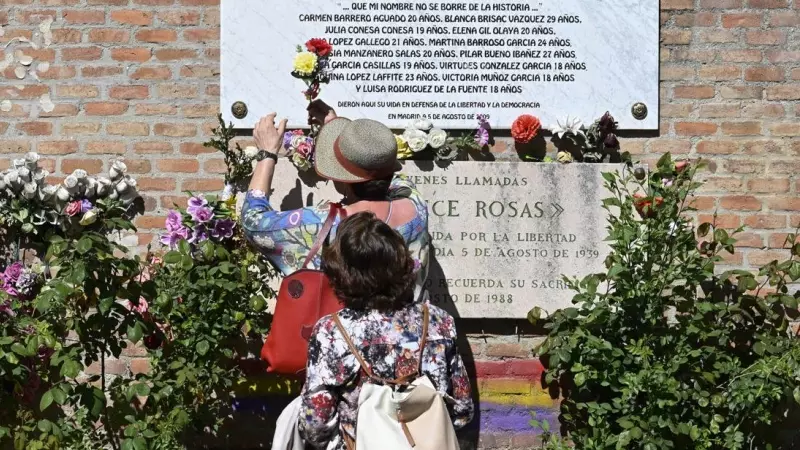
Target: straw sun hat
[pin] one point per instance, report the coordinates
(353, 151)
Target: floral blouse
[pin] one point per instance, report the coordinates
(390, 345)
(286, 237)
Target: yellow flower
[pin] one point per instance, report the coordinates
(403, 151)
(305, 63)
(564, 157)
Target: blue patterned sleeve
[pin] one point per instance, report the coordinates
(284, 237)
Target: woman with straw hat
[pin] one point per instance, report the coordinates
(360, 157)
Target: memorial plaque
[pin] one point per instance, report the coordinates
(503, 233)
(447, 60)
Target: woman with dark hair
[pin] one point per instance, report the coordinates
(360, 157)
(372, 272)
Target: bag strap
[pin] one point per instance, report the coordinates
(335, 209)
(368, 370)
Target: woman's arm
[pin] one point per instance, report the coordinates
(462, 408)
(269, 139)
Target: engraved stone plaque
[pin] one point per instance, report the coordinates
(448, 60)
(503, 233)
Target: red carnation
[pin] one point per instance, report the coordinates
(319, 46)
(525, 128)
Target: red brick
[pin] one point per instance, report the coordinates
(779, 240)
(694, 92)
(157, 35)
(702, 203)
(109, 35)
(768, 185)
(676, 72)
(149, 222)
(7, 146)
(83, 16)
(36, 128)
(152, 147)
(105, 147)
(81, 53)
(721, 184)
(176, 90)
(178, 165)
(764, 73)
(66, 36)
(740, 203)
(788, 167)
(766, 37)
(215, 166)
(717, 147)
(140, 366)
(741, 55)
(785, 129)
(112, 367)
(92, 166)
(201, 34)
(199, 71)
(201, 110)
(750, 20)
(765, 221)
(132, 17)
(146, 109)
(740, 92)
(34, 16)
(100, 71)
(727, 221)
(171, 201)
(155, 184)
(139, 166)
(718, 73)
(128, 129)
(781, 56)
(783, 92)
(676, 110)
(699, 19)
(741, 128)
(763, 110)
(59, 73)
(744, 166)
(61, 110)
(720, 110)
(717, 36)
(763, 257)
(507, 351)
(57, 147)
(487, 369)
(784, 203)
(179, 17)
(675, 36)
(175, 130)
(105, 108)
(29, 91)
(72, 128)
(720, 4)
(136, 54)
(152, 73)
(200, 2)
(695, 128)
(749, 240)
(173, 54)
(768, 3)
(677, 4)
(202, 184)
(195, 149)
(128, 92)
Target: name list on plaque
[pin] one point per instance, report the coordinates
(503, 234)
(448, 60)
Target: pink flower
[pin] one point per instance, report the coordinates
(304, 149)
(297, 132)
(73, 208)
(142, 307)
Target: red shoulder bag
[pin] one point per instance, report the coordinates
(304, 297)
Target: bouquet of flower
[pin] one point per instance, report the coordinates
(601, 139)
(300, 148)
(202, 220)
(312, 65)
(421, 135)
(474, 141)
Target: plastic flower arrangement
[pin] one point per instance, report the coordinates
(419, 136)
(203, 220)
(311, 64)
(299, 149)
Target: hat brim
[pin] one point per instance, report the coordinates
(325, 162)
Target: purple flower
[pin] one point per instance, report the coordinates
(199, 234)
(174, 221)
(172, 238)
(13, 272)
(5, 308)
(195, 203)
(223, 229)
(483, 123)
(482, 137)
(287, 140)
(611, 141)
(202, 214)
(86, 205)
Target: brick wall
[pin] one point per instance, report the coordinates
(140, 79)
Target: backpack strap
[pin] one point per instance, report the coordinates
(335, 209)
(424, 339)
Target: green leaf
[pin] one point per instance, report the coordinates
(44, 425)
(796, 394)
(202, 347)
(59, 395)
(141, 389)
(47, 400)
(703, 229)
(84, 245)
(758, 347)
(608, 176)
(172, 257)
(625, 423)
(184, 247)
(135, 333)
(27, 227)
(580, 378)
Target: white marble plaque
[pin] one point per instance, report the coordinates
(447, 60)
(503, 233)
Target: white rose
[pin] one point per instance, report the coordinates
(62, 194)
(24, 174)
(39, 217)
(422, 124)
(47, 193)
(11, 178)
(250, 151)
(417, 139)
(90, 187)
(103, 186)
(29, 191)
(18, 162)
(113, 195)
(297, 139)
(40, 175)
(31, 159)
(71, 183)
(131, 182)
(80, 174)
(2, 183)
(122, 186)
(118, 169)
(437, 137)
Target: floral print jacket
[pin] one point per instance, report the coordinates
(285, 237)
(389, 342)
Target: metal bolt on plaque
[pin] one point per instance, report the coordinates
(239, 110)
(639, 111)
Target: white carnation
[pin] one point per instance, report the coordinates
(422, 124)
(250, 151)
(417, 139)
(90, 187)
(437, 138)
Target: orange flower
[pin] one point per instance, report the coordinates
(525, 128)
(645, 205)
(680, 166)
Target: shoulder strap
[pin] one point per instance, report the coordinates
(423, 341)
(335, 209)
(352, 347)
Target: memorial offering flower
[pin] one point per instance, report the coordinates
(421, 124)
(300, 148)
(601, 139)
(564, 157)
(19, 281)
(73, 208)
(417, 139)
(403, 151)
(312, 66)
(525, 128)
(482, 133)
(437, 138)
(570, 126)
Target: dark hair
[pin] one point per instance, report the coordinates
(369, 265)
(373, 189)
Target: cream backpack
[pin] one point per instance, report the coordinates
(403, 414)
